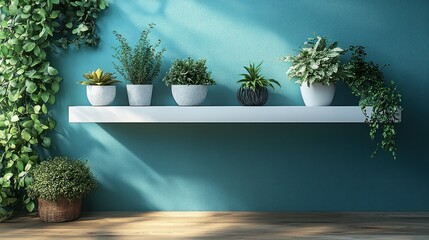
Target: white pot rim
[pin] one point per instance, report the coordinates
(139, 84)
(319, 84)
(101, 85)
(191, 84)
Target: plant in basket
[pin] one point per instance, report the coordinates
(59, 184)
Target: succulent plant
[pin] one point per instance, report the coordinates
(99, 78)
(253, 78)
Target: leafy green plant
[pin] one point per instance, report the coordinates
(75, 22)
(317, 62)
(253, 78)
(141, 65)
(99, 78)
(188, 72)
(366, 81)
(29, 82)
(61, 177)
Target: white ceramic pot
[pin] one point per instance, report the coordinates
(139, 95)
(317, 94)
(100, 95)
(189, 95)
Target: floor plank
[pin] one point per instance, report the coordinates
(223, 225)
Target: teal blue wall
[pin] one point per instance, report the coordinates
(301, 167)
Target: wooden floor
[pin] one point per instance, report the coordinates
(223, 225)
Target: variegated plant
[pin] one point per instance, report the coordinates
(317, 62)
(99, 78)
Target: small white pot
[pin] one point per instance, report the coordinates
(100, 95)
(139, 95)
(189, 95)
(317, 94)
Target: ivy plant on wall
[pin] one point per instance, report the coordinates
(29, 83)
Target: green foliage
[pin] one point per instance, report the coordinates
(141, 65)
(367, 82)
(99, 78)
(253, 79)
(75, 21)
(317, 62)
(29, 83)
(61, 177)
(188, 72)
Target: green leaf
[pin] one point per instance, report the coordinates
(44, 109)
(26, 135)
(37, 109)
(52, 71)
(55, 87)
(28, 47)
(37, 51)
(30, 206)
(28, 124)
(47, 142)
(27, 8)
(20, 166)
(51, 99)
(3, 35)
(45, 97)
(31, 87)
(102, 5)
(8, 176)
(14, 119)
(54, 14)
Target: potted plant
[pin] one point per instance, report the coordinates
(366, 81)
(100, 90)
(140, 66)
(316, 68)
(189, 80)
(59, 184)
(253, 90)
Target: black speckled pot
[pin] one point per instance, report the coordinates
(248, 97)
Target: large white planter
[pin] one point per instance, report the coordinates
(100, 95)
(139, 95)
(317, 94)
(189, 95)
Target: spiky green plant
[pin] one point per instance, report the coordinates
(99, 78)
(253, 78)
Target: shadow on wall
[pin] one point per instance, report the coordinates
(242, 167)
(227, 48)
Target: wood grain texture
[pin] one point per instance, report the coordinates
(223, 225)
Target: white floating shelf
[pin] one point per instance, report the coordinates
(217, 114)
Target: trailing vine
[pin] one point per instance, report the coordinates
(29, 83)
(366, 81)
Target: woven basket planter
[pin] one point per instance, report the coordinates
(61, 210)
